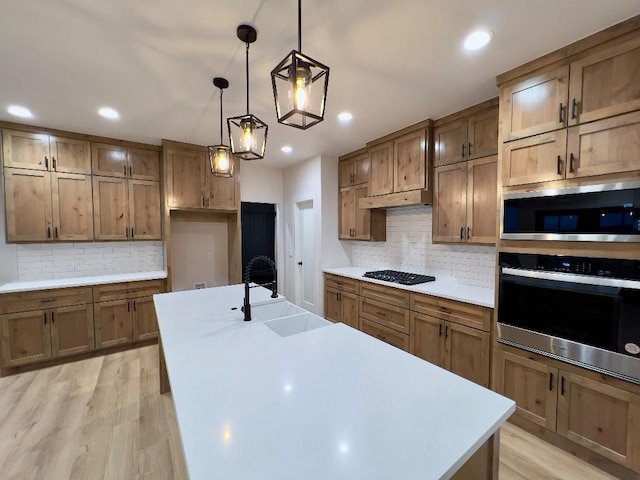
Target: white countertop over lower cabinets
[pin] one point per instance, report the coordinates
(447, 288)
(329, 403)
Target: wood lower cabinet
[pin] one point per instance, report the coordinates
(145, 322)
(385, 334)
(72, 330)
(341, 300)
(113, 323)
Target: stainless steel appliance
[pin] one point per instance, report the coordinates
(592, 213)
(403, 278)
(584, 311)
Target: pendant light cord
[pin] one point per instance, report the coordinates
(221, 116)
(300, 26)
(247, 64)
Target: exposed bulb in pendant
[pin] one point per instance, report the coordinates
(302, 88)
(223, 161)
(247, 136)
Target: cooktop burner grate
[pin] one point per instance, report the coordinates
(395, 276)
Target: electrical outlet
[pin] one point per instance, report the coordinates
(198, 286)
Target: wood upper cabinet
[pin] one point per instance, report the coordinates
(354, 170)
(143, 164)
(600, 417)
(26, 337)
(605, 83)
(482, 134)
(110, 200)
(347, 213)
(540, 158)
(450, 143)
(410, 162)
(72, 203)
(381, 169)
(535, 105)
(223, 191)
(109, 160)
(144, 210)
(357, 223)
(38, 151)
(28, 205)
(145, 322)
(72, 330)
(466, 202)
(114, 325)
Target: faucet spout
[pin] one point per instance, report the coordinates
(246, 308)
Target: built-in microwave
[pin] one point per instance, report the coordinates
(596, 213)
(579, 310)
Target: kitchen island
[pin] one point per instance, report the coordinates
(327, 403)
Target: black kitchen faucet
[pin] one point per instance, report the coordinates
(246, 308)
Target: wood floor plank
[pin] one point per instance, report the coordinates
(103, 418)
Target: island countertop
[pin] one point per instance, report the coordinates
(328, 403)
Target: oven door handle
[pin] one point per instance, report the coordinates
(573, 278)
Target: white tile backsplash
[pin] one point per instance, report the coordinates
(409, 248)
(42, 261)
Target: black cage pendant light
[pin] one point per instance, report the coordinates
(300, 86)
(220, 155)
(247, 133)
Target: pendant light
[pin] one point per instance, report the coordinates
(247, 133)
(220, 156)
(300, 86)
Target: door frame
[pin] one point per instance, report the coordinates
(298, 206)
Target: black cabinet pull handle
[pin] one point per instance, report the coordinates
(53, 318)
(130, 171)
(562, 386)
(446, 331)
(53, 162)
(134, 306)
(337, 296)
(463, 145)
(381, 337)
(440, 333)
(469, 148)
(574, 109)
(461, 233)
(48, 232)
(550, 381)
(55, 232)
(126, 231)
(468, 233)
(46, 163)
(45, 318)
(132, 234)
(560, 116)
(128, 306)
(559, 165)
(125, 170)
(572, 160)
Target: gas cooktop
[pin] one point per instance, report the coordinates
(399, 277)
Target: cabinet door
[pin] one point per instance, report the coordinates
(28, 205)
(26, 337)
(25, 150)
(144, 209)
(332, 307)
(145, 322)
(347, 213)
(410, 162)
(532, 385)
(349, 309)
(606, 83)
(381, 169)
(606, 146)
(535, 159)
(427, 338)
(450, 203)
(387, 335)
(450, 143)
(535, 105)
(113, 323)
(362, 169)
(467, 353)
(111, 208)
(72, 330)
(186, 179)
(72, 205)
(600, 417)
(222, 191)
(109, 160)
(144, 164)
(362, 217)
(482, 200)
(345, 173)
(482, 134)
(69, 155)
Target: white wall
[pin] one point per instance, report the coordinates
(409, 248)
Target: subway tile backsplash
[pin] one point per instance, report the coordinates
(46, 261)
(409, 248)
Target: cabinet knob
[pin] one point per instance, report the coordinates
(300, 263)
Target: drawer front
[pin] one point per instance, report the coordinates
(387, 335)
(342, 284)
(473, 316)
(28, 301)
(382, 313)
(121, 291)
(381, 293)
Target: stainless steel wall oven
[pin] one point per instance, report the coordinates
(584, 311)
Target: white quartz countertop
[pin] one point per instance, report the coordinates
(448, 288)
(329, 403)
(14, 287)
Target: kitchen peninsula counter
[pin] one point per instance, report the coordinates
(328, 403)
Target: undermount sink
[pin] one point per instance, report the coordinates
(295, 324)
(274, 310)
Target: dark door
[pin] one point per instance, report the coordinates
(258, 238)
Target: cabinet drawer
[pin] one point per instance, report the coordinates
(389, 315)
(462, 313)
(392, 296)
(399, 340)
(28, 301)
(121, 291)
(341, 283)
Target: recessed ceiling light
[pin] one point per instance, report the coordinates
(345, 116)
(109, 113)
(287, 149)
(477, 39)
(19, 111)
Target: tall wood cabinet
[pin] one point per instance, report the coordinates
(466, 176)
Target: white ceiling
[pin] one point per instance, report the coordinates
(393, 62)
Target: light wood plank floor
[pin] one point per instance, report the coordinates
(103, 418)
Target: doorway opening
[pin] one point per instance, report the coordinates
(258, 238)
(305, 255)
